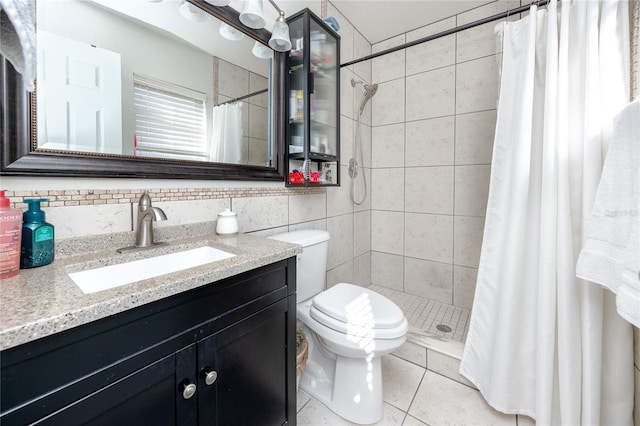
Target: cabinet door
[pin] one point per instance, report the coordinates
(249, 359)
(151, 396)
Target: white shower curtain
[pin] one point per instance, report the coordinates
(542, 342)
(226, 138)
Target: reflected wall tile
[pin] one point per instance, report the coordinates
(233, 80)
(258, 82)
(386, 270)
(429, 237)
(434, 54)
(185, 212)
(256, 213)
(341, 243)
(472, 190)
(430, 142)
(257, 122)
(388, 103)
(71, 221)
(429, 190)
(431, 94)
(362, 233)
(387, 232)
(308, 207)
(464, 286)
(390, 66)
(387, 189)
(387, 146)
(468, 240)
(474, 137)
(433, 280)
(258, 152)
(477, 85)
(362, 270)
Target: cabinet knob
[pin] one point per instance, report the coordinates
(210, 376)
(188, 390)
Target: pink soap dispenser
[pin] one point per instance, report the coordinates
(10, 237)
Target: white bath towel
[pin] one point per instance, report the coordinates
(611, 253)
(18, 37)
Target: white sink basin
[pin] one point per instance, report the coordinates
(106, 277)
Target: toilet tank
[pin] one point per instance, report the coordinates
(311, 269)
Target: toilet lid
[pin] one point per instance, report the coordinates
(352, 309)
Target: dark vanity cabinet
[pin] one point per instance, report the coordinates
(313, 108)
(221, 354)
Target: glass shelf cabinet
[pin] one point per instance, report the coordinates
(313, 108)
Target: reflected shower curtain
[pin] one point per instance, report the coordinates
(542, 342)
(226, 138)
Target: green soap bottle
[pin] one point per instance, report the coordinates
(37, 237)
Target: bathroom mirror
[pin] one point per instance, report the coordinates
(171, 56)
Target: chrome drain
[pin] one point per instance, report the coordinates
(444, 328)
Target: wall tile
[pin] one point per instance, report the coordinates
(387, 232)
(429, 190)
(361, 48)
(340, 274)
(464, 286)
(471, 190)
(314, 224)
(346, 34)
(338, 198)
(359, 189)
(347, 133)
(362, 233)
(185, 212)
(388, 103)
(71, 221)
(481, 41)
(387, 146)
(346, 93)
(467, 240)
(256, 213)
(434, 54)
(341, 243)
(386, 270)
(431, 94)
(429, 237)
(432, 280)
(391, 66)
(430, 142)
(474, 137)
(362, 270)
(308, 207)
(476, 85)
(387, 189)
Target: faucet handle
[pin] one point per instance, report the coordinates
(144, 201)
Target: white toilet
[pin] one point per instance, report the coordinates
(348, 329)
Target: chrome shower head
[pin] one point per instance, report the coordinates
(369, 91)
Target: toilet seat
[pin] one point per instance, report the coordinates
(357, 311)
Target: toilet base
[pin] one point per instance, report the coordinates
(350, 387)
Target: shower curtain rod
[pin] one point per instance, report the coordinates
(230, 101)
(448, 32)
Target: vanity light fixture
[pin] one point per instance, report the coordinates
(219, 3)
(280, 40)
(261, 51)
(191, 12)
(230, 33)
(251, 15)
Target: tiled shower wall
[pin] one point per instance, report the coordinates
(433, 126)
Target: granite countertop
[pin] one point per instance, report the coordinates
(43, 301)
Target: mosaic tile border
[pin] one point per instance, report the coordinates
(91, 197)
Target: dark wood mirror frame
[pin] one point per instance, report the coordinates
(17, 125)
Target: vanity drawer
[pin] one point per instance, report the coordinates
(55, 370)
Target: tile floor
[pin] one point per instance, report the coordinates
(421, 381)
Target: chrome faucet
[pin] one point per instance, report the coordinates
(144, 229)
(146, 215)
